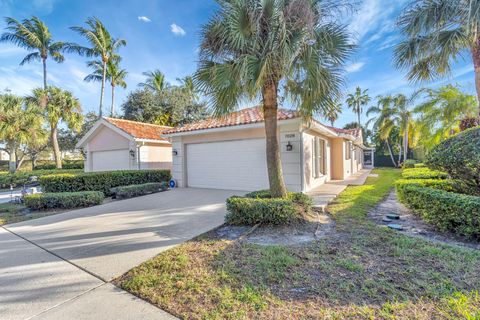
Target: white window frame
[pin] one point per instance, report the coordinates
(348, 151)
(318, 157)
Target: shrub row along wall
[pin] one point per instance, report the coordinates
(423, 173)
(65, 200)
(101, 181)
(136, 190)
(447, 211)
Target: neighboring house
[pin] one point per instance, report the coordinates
(229, 152)
(118, 144)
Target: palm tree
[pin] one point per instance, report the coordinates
(19, 125)
(102, 45)
(33, 35)
(440, 114)
(155, 81)
(332, 114)
(188, 84)
(114, 74)
(251, 50)
(356, 101)
(382, 124)
(436, 34)
(57, 105)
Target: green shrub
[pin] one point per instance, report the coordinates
(449, 185)
(136, 190)
(419, 165)
(423, 173)
(448, 211)
(250, 211)
(66, 164)
(65, 200)
(101, 181)
(21, 177)
(409, 163)
(459, 156)
(258, 207)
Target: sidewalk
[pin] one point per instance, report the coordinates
(328, 191)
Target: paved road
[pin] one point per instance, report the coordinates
(59, 267)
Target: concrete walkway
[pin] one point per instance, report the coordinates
(328, 191)
(60, 267)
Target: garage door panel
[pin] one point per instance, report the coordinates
(110, 160)
(233, 165)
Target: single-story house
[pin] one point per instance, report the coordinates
(118, 144)
(229, 152)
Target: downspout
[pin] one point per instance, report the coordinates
(302, 159)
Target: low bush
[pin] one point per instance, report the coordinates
(423, 173)
(449, 185)
(136, 190)
(409, 163)
(66, 164)
(419, 165)
(259, 207)
(64, 200)
(101, 181)
(448, 211)
(21, 177)
(459, 156)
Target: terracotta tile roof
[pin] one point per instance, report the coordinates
(354, 132)
(139, 130)
(241, 117)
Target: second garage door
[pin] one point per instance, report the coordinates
(231, 165)
(110, 160)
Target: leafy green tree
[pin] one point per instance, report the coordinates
(155, 81)
(33, 35)
(115, 75)
(68, 139)
(102, 45)
(440, 114)
(437, 33)
(356, 101)
(19, 125)
(249, 49)
(332, 114)
(57, 105)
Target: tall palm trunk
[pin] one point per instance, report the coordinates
(12, 162)
(274, 164)
(104, 75)
(390, 152)
(44, 61)
(405, 144)
(112, 108)
(476, 64)
(358, 117)
(399, 154)
(56, 148)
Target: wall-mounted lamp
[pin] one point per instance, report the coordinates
(132, 154)
(289, 146)
(174, 152)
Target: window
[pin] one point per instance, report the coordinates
(348, 151)
(318, 157)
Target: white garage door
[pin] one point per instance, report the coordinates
(231, 165)
(110, 160)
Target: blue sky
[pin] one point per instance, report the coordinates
(163, 34)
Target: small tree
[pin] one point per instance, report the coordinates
(19, 125)
(356, 101)
(57, 106)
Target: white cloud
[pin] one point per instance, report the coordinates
(354, 67)
(11, 50)
(177, 30)
(144, 19)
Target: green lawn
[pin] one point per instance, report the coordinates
(360, 271)
(11, 213)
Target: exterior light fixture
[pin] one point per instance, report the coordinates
(174, 152)
(289, 146)
(132, 154)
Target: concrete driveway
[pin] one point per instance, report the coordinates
(59, 267)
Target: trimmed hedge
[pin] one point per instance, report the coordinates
(258, 207)
(66, 164)
(423, 173)
(21, 177)
(409, 163)
(449, 185)
(448, 211)
(101, 181)
(65, 200)
(136, 190)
